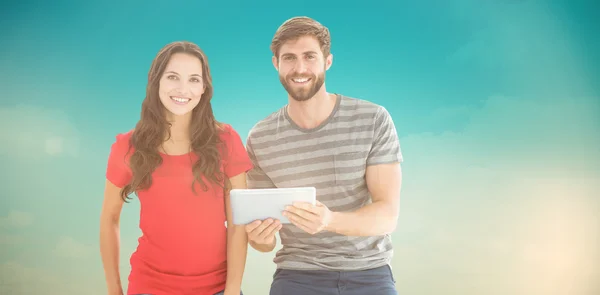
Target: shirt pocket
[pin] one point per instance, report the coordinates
(349, 170)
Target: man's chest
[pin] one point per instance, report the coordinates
(324, 161)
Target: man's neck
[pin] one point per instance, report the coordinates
(313, 112)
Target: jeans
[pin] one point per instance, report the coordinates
(377, 281)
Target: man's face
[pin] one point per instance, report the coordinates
(301, 66)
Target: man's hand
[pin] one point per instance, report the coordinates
(263, 232)
(310, 218)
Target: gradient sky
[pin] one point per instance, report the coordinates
(497, 104)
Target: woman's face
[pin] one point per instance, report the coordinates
(181, 85)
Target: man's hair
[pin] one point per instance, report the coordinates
(301, 26)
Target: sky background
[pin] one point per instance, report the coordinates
(497, 105)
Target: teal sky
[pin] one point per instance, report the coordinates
(497, 104)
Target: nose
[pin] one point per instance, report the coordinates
(183, 87)
(300, 66)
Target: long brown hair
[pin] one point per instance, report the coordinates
(153, 127)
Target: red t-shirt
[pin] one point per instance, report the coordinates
(183, 247)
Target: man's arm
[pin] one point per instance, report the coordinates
(261, 234)
(256, 177)
(378, 218)
(384, 180)
(381, 216)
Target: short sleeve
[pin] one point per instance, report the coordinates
(386, 145)
(117, 170)
(256, 177)
(236, 159)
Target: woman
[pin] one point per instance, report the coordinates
(181, 163)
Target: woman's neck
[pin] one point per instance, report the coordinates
(180, 126)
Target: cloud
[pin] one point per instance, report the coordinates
(544, 135)
(11, 240)
(19, 279)
(31, 132)
(32, 271)
(507, 205)
(70, 248)
(14, 221)
(17, 219)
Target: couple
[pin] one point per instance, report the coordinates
(181, 163)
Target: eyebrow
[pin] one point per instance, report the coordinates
(305, 52)
(197, 75)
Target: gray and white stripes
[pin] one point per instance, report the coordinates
(332, 158)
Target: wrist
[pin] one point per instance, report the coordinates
(266, 247)
(333, 224)
(115, 288)
(271, 243)
(232, 291)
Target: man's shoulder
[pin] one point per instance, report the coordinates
(359, 106)
(265, 126)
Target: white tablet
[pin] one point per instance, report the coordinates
(248, 205)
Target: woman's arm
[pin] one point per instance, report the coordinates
(109, 237)
(237, 243)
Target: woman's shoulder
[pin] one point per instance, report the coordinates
(123, 137)
(230, 137)
(226, 131)
(121, 141)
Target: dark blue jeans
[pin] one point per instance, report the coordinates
(377, 281)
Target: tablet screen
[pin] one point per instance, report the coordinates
(249, 205)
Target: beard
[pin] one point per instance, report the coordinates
(302, 92)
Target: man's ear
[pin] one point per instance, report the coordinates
(275, 62)
(328, 61)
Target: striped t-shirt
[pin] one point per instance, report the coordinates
(332, 158)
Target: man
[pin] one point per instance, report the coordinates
(349, 151)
